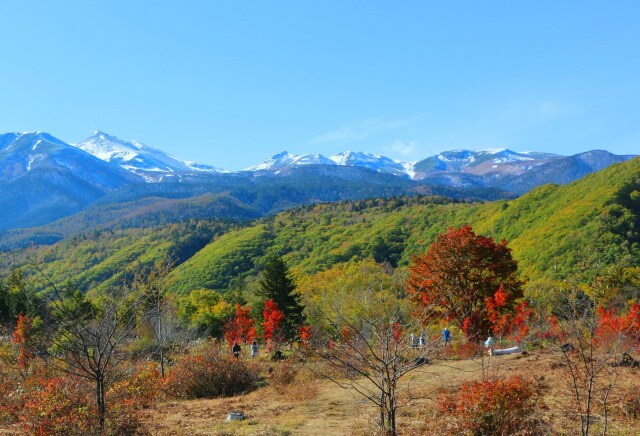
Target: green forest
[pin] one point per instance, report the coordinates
(579, 230)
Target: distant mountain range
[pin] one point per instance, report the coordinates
(44, 179)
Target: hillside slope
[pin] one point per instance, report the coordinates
(554, 231)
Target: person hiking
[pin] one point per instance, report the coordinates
(446, 335)
(236, 349)
(254, 348)
(489, 345)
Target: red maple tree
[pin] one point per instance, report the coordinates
(612, 326)
(272, 324)
(241, 327)
(466, 279)
(305, 333)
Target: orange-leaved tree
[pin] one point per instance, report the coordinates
(23, 339)
(615, 327)
(272, 324)
(466, 279)
(241, 327)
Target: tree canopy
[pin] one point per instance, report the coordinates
(465, 278)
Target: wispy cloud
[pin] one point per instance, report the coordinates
(401, 147)
(362, 130)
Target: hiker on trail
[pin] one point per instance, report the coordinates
(254, 348)
(422, 340)
(414, 341)
(236, 349)
(446, 335)
(489, 344)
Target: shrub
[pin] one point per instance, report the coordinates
(631, 405)
(10, 397)
(10, 400)
(493, 407)
(66, 405)
(290, 381)
(283, 374)
(209, 375)
(60, 406)
(138, 391)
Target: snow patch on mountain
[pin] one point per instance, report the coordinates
(33, 158)
(286, 159)
(136, 157)
(204, 167)
(348, 158)
(409, 169)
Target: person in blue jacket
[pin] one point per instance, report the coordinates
(446, 335)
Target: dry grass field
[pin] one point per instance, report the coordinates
(313, 406)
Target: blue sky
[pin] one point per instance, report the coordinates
(229, 83)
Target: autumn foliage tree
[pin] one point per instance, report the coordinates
(273, 322)
(241, 327)
(23, 340)
(623, 327)
(466, 279)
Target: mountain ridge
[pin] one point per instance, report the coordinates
(44, 179)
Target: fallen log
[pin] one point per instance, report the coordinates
(500, 352)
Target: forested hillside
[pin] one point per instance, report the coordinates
(555, 231)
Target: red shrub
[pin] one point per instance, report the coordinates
(305, 333)
(66, 405)
(61, 406)
(498, 407)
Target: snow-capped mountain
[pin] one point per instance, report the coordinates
(287, 160)
(479, 162)
(482, 162)
(43, 178)
(138, 158)
(374, 162)
(24, 153)
(370, 161)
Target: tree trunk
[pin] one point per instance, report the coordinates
(383, 403)
(162, 362)
(100, 400)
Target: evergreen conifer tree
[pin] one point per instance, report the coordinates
(278, 285)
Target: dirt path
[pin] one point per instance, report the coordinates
(333, 411)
